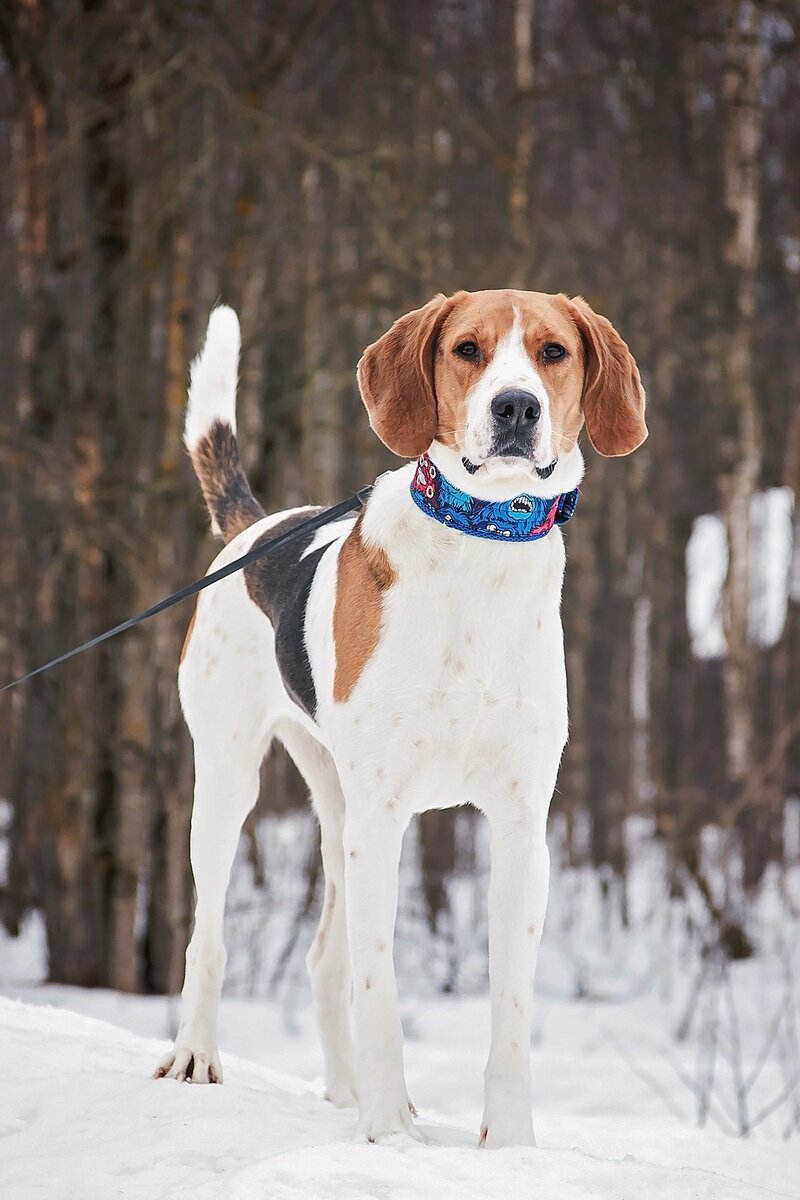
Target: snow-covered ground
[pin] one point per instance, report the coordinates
(80, 1116)
(648, 1057)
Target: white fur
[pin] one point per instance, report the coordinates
(212, 390)
(327, 534)
(464, 700)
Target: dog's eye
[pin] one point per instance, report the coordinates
(468, 350)
(553, 352)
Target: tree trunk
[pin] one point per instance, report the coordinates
(741, 146)
(520, 197)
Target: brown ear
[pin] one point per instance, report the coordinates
(613, 396)
(395, 376)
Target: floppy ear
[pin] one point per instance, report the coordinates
(613, 396)
(395, 377)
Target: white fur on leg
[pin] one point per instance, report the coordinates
(329, 970)
(327, 961)
(222, 801)
(517, 904)
(372, 855)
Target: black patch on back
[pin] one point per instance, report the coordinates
(279, 584)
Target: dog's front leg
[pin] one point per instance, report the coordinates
(372, 842)
(517, 903)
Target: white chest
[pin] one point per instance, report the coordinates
(467, 682)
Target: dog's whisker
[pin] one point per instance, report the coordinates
(440, 432)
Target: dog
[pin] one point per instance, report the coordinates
(410, 657)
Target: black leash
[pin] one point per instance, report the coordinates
(357, 500)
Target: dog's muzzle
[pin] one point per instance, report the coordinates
(515, 416)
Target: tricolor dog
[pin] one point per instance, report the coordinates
(409, 658)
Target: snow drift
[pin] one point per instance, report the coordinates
(81, 1117)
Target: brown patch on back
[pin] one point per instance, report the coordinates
(365, 573)
(189, 633)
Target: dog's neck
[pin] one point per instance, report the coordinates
(522, 517)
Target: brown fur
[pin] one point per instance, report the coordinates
(613, 398)
(226, 491)
(395, 376)
(365, 573)
(415, 386)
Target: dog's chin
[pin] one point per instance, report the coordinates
(507, 466)
(518, 466)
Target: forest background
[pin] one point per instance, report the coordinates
(323, 167)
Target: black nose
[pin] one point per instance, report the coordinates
(516, 410)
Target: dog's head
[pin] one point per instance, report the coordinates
(507, 379)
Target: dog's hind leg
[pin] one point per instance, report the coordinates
(226, 788)
(328, 960)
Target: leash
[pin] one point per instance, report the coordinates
(356, 501)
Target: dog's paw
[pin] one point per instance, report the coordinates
(507, 1129)
(383, 1121)
(190, 1065)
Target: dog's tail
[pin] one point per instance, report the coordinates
(210, 430)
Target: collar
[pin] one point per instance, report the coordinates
(525, 518)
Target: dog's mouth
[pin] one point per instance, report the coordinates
(542, 472)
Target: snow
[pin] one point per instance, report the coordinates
(706, 569)
(774, 573)
(647, 1055)
(771, 516)
(82, 1118)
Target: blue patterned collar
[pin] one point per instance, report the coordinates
(526, 518)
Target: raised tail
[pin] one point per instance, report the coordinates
(210, 430)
